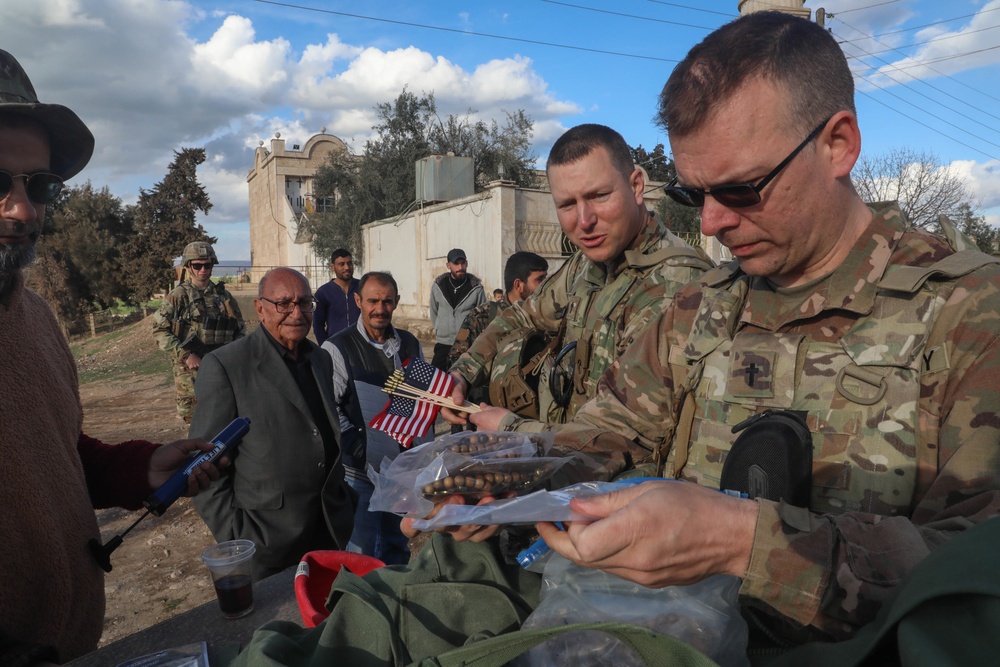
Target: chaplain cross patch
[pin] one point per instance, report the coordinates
(751, 375)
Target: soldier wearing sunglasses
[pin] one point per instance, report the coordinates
(841, 370)
(196, 317)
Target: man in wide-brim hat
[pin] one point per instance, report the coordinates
(52, 476)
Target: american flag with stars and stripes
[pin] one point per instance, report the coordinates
(406, 418)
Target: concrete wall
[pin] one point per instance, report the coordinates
(489, 226)
(794, 7)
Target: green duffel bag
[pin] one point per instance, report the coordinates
(450, 592)
(456, 603)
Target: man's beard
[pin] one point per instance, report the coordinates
(13, 258)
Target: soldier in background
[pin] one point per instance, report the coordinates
(522, 274)
(625, 271)
(198, 316)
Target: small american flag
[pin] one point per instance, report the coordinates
(406, 418)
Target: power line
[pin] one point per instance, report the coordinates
(878, 4)
(935, 116)
(931, 86)
(630, 16)
(941, 39)
(946, 122)
(929, 127)
(694, 9)
(925, 25)
(924, 63)
(467, 32)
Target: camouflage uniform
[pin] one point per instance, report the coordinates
(193, 320)
(475, 324)
(602, 307)
(893, 357)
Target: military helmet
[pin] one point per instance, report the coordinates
(198, 250)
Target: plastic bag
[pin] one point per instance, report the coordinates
(537, 506)
(706, 615)
(473, 465)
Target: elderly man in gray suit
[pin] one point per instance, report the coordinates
(285, 488)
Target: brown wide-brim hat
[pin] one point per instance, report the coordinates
(72, 143)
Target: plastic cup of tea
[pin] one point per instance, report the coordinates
(230, 565)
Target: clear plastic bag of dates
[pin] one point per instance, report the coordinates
(474, 465)
(706, 615)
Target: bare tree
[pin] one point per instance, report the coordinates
(923, 186)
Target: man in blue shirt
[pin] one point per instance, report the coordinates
(336, 308)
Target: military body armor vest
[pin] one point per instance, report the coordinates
(860, 400)
(207, 322)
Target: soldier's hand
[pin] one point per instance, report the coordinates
(458, 394)
(193, 361)
(459, 533)
(169, 458)
(704, 533)
(489, 417)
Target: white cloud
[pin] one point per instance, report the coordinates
(982, 178)
(943, 49)
(232, 63)
(152, 76)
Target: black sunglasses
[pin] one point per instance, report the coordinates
(42, 188)
(198, 266)
(286, 306)
(735, 195)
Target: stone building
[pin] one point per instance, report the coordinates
(794, 7)
(281, 193)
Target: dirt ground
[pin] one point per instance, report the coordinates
(127, 393)
(156, 571)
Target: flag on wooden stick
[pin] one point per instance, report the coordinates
(417, 394)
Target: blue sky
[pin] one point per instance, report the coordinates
(151, 76)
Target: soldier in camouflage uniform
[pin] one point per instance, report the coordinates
(522, 274)
(197, 317)
(626, 269)
(882, 338)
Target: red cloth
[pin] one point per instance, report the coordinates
(116, 474)
(316, 574)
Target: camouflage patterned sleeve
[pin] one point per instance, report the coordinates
(634, 399)
(467, 333)
(163, 327)
(834, 572)
(543, 311)
(234, 308)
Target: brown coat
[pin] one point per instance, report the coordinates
(51, 590)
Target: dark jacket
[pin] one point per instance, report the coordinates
(367, 371)
(335, 310)
(278, 490)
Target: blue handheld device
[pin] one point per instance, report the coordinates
(173, 488)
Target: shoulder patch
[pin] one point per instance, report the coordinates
(934, 360)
